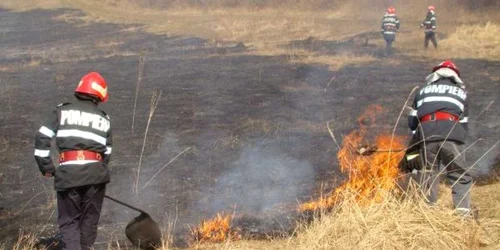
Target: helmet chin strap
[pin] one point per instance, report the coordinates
(445, 73)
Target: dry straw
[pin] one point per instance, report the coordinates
(392, 224)
(140, 71)
(155, 98)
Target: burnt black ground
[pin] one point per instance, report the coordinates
(256, 125)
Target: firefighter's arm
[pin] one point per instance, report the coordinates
(426, 21)
(43, 140)
(413, 117)
(109, 147)
(464, 119)
(433, 22)
(397, 23)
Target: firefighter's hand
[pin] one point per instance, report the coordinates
(414, 161)
(421, 25)
(409, 163)
(48, 175)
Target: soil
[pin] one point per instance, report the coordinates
(255, 125)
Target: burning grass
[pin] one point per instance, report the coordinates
(392, 224)
(369, 177)
(215, 230)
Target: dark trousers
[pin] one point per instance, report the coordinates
(79, 210)
(446, 159)
(430, 36)
(389, 39)
(388, 47)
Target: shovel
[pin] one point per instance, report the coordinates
(142, 231)
(369, 150)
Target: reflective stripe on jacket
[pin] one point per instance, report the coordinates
(443, 96)
(79, 125)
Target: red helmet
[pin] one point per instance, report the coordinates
(431, 7)
(447, 64)
(93, 84)
(391, 10)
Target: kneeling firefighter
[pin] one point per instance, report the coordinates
(82, 133)
(439, 126)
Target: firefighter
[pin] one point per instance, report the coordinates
(390, 25)
(429, 24)
(439, 124)
(82, 134)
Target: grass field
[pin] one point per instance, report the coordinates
(462, 33)
(271, 31)
(392, 224)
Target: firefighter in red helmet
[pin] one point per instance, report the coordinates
(82, 134)
(390, 26)
(439, 124)
(429, 24)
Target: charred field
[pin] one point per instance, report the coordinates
(251, 128)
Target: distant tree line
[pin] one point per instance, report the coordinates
(236, 3)
(469, 4)
(478, 4)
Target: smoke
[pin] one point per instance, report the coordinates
(151, 196)
(481, 155)
(260, 180)
(157, 173)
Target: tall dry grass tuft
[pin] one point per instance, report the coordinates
(393, 224)
(140, 70)
(155, 99)
(25, 241)
(480, 40)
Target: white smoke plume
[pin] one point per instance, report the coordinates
(260, 180)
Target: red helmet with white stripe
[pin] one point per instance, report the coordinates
(93, 84)
(431, 7)
(447, 64)
(391, 10)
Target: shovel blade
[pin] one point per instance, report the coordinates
(143, 232)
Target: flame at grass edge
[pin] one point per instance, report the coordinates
(369, 178)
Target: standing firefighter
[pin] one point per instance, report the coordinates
(82, 134)
(429, 24)
(390, 25)
(439, 123)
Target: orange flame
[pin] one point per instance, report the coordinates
(215, 230)
(369, 177)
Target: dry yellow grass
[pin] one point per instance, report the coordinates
(395, 224)
(482, 40)
(392, 224)
(267, 30)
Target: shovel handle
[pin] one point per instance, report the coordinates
(125, 204)
(391, 150)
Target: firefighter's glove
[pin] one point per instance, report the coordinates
(412, 160)
(48, 171)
